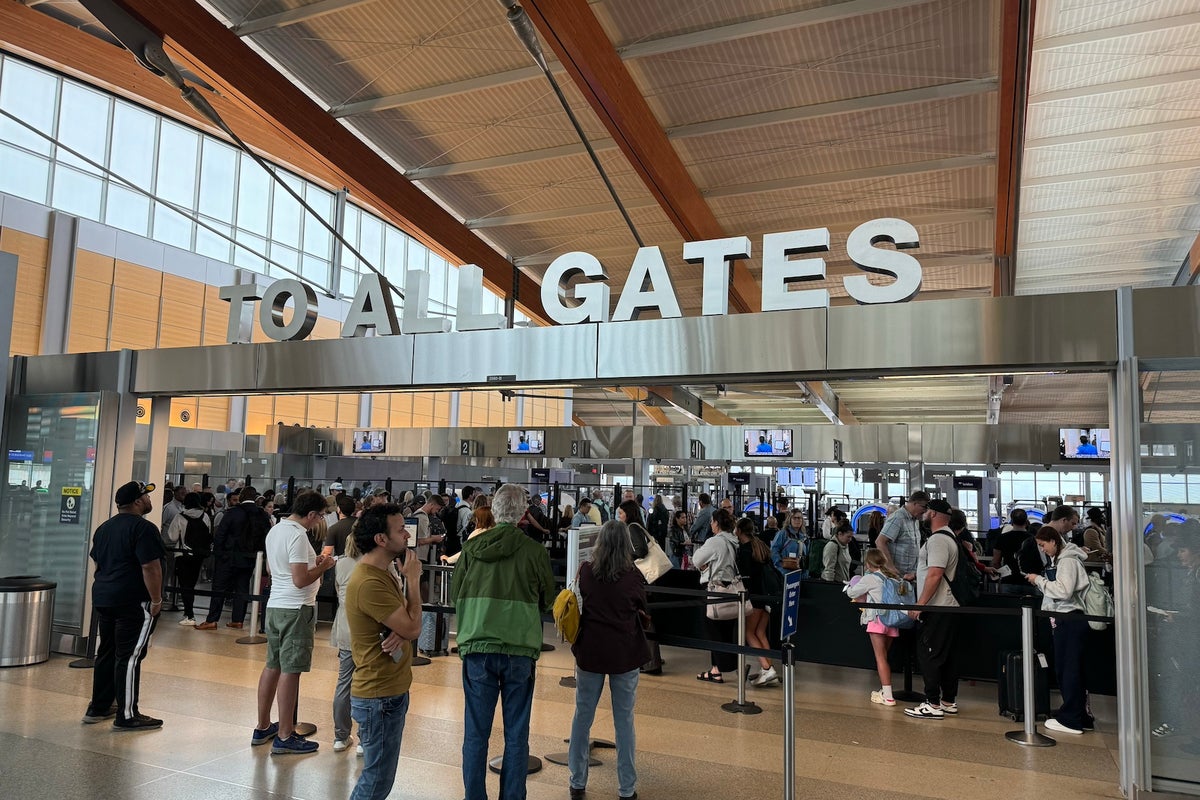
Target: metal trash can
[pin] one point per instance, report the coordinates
(26, 616)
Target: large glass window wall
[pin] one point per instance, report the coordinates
(207, 179)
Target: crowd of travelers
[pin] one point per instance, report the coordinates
(373, 550)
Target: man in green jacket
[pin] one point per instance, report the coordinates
(501, 586)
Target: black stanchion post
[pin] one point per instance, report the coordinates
(908, 637)
(204, 481)
(89, 659)
(789, 720)
(441, 485)
(762, 510)
(291, 490)
(387, 485)
(1028, 736)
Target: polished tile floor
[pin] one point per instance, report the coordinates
(202, 684)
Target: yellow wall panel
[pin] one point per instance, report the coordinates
(257, 424)
(347, 410)
(183, 315)
(322, 410)
(380, 411)
(170, 336)
(86, 344)
(216, 320)
(31, 252)
(26, 246)
(326, 329)
(422, 403)
(182, 290)
(422, 421)
(260, 413)
(213, 413)
(291, 408)
(140, 279)
(94, 267)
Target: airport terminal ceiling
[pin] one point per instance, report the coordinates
(743, 118)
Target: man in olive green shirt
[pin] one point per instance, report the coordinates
(384, 620)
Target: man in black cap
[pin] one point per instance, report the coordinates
(937, 566)
(127, 596)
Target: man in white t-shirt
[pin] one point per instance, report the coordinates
(936, 567)
(296, 572)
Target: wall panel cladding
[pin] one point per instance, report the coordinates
(32, 253)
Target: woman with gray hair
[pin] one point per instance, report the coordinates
(611, 642)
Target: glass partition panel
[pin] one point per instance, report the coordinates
(47, 497)
(1170, 524)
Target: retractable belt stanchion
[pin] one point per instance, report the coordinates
(89, 659)
(1028, 737)
(740, 706)
(789, 721)
(255, 636)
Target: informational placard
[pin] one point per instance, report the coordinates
(791, 605)
(580, 542)
(68, 509)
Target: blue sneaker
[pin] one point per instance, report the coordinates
(293, 745)
(265, 735)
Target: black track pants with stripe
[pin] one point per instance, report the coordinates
(124, 640)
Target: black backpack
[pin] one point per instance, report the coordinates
(967, 584)
(249, 534)
(197, 537)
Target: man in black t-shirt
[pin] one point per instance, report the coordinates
(127, 596)
(1008, 545)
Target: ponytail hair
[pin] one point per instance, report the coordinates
(874, 559)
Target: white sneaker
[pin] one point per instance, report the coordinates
(1054, 725)
(925, 711)
(766, 676)
(341, 744)
(358, 751)
(879, 699)
(949, 708)
(188, 621)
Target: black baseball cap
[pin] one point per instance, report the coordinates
(132, 491)
(940, 506)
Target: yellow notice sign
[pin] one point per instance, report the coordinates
(72, 491)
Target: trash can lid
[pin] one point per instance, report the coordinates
(26, 583)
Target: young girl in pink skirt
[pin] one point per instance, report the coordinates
(869, 589)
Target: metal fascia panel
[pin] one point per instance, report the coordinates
(559, 354)
(1026, 332)
(778, 343)
(1166, 327)
(219, 369)
(343, 365)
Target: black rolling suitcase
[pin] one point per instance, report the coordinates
(1010, 687)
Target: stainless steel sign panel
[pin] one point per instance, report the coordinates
(1032, 331)
(221, 369)
(759, 345)
(1166, 327)
(523, 355)
(336, 364)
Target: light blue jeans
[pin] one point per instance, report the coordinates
(381, 729)
(623, 689)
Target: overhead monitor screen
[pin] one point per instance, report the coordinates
(1084, 443)
(526, 443)
(371, 442)
(776, 443)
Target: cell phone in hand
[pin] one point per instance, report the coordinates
(398, 653)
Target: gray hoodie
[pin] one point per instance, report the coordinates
(1063, 594)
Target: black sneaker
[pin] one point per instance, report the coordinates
(139, 723)
(293, 745)
(90, 717)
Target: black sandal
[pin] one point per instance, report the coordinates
(710, 678)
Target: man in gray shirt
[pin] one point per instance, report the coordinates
(701, 526)
(936, 648)
(900, 539)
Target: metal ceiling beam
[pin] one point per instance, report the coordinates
(1116, 32)
(726, 125)
(692, 406)
(1088, 241)
(1113, 133)
(653, 47)
(244, 78)
(827, 401)
(294, 15)
(581, 44)
(868, 173)
(1141, 205)
(1120, 172)
(1097, 89)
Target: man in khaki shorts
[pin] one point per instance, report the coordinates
(296, 572)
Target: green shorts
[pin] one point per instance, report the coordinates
(290, 634)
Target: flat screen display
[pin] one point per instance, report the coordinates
(1084, 443)
(772, 443)
(372, 442)
(526, 443)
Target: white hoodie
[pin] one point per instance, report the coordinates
(1064, 593)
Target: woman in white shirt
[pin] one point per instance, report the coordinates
(717, 561)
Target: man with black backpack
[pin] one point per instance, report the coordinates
(241, 535)
(191, 535)
(937, 567)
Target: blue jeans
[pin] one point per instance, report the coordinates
(486, 678)
(623, 689)
(380, 730)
